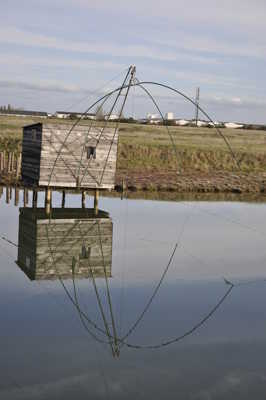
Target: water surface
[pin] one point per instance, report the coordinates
(47, 352)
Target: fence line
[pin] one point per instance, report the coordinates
(10, 163)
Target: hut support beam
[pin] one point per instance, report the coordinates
(7, 195)
(34, 198)
(96, 201)
(48, 200)
(63, 199)
(83, 199)
(16, 196)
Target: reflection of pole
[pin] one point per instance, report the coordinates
(48, 200)
(96, 201)
(197, 106)
(25, 197)
(34, 198)
(16, 196)
(63, 198)
(83, 198)
(7, 195)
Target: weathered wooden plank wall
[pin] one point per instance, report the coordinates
(58, 156)
(72, 163)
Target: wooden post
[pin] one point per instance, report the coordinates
(1, 161)
(11, 191)
(1, 191)
(9, 162)
(16, 196)
(12, 162)
(18, 164)
(7, 195)
(63, 198)
(83, 199)
(25, 197)
(96, 201)
(4, 160)
(48, 200)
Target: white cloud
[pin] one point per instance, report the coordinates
(45, 86)
(159, 49)
(10, 35)
(241, 13)
(54, 62)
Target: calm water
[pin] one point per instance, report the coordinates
(49, 350)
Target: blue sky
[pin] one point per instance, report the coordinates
(55, 54)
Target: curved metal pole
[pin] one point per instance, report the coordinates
(156, 84)
(201, 109)
(159, 110)
(190, 331)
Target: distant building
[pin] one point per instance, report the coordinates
(182, 122)
(233, 125)
(154, 121)
(24, 113)
(200, 123)
(152, 116)
(69, 114)
(169, 116)
(112, 117)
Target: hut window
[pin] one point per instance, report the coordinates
(85, 253)
(91, 152)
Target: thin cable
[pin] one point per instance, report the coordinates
(91, 93)
(107, 120)
(116, 350)
(157, 287)
(134, 326)
(61, 281)
(132, 71)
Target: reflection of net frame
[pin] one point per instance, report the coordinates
(116, 342)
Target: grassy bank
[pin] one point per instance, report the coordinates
(146, 150)
(198, 149)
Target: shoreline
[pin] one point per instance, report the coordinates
(218, 182)
(170, 186)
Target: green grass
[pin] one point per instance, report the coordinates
(147, 147)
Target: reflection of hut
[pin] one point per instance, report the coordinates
(71, 238)
(62, 155)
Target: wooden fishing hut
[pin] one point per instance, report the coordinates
(49, 248)
(69, 156)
